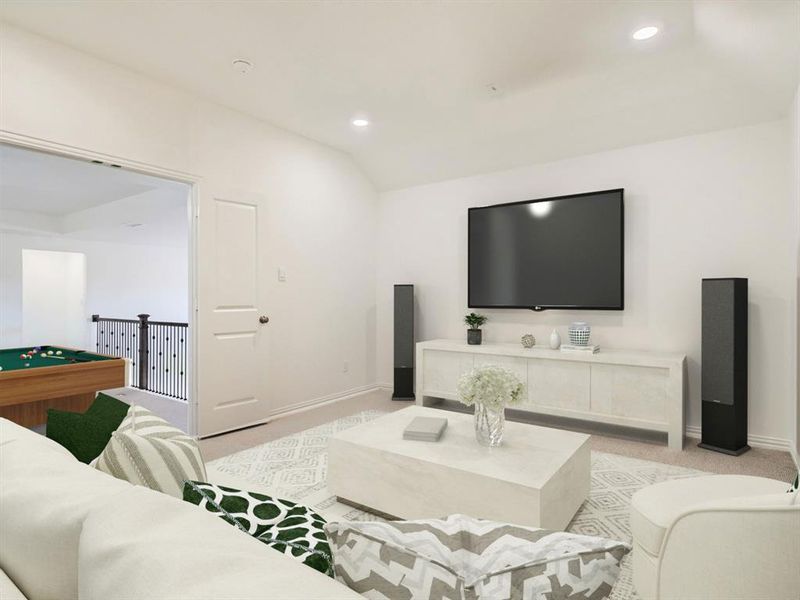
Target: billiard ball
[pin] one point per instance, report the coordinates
(1, 368)
(23, 355)
(27, 364)
(58, 352)
(49, 353)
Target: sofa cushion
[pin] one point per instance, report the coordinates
(10, 431)
(655, 507)
(45, 496)
(148, 451)
(9, 591)
(86, 435)
(460, 557)
(285, 526)
(147, 545)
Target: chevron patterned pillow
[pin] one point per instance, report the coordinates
(148, 451)
(460, 557)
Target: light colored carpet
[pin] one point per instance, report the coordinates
(295, 468)
(759, 462)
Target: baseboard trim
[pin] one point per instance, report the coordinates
(323, 400)
(298, 408)
(756, 441)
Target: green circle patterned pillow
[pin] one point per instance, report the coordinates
(287, 527)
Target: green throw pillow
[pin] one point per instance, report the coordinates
(290, 528)
(108, 408)
(86, 435)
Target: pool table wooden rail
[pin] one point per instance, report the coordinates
(27, 394)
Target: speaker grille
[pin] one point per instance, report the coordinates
(718, 341)
(403, 326)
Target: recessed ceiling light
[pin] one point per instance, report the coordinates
(360, 122)
(645, 33)
(242, 66)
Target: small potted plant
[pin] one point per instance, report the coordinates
(474, 333)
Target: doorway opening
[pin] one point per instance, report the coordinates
(98, 258)
(47, 315)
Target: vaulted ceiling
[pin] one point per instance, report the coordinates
(455, 88)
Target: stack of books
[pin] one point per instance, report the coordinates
(425, 429)
(591, 349)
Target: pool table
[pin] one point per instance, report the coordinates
(53, 377)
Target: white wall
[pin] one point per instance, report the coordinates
(795, 164)
(123, 280)
(320, 208)
(712, 205)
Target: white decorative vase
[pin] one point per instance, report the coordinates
(555, 340)
(489, 425)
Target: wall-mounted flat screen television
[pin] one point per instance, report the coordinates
(564, 252)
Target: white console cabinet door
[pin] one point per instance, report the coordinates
(632, 392)
(561, 385)
(442, 370)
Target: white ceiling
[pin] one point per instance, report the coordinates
(46, 194)
(571, 79)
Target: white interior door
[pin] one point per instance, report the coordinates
(232, 342)
(54, 299)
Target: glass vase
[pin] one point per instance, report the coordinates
(489, 425)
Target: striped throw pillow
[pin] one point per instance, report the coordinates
(146, 450)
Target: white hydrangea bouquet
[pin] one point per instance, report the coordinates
(490, 389)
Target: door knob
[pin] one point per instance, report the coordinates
(263, 319)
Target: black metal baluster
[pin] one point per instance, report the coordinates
(171, 363)
(156, 357)
(158, 351)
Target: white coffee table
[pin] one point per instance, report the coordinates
(538, 477)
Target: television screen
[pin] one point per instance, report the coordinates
(564, 252)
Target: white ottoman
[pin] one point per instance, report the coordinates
(720, 536)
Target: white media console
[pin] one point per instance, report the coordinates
(643, 390)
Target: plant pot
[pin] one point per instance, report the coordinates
(474, 337)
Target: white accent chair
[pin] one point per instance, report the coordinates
(720, 537)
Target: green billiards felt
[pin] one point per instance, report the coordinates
(86, 435)
(10, 358)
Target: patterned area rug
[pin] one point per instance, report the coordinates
(295, 468)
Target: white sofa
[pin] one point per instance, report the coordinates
(68, 531)
(720, 537)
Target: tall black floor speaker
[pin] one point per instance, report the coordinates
(403, 342)
(724, 366)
